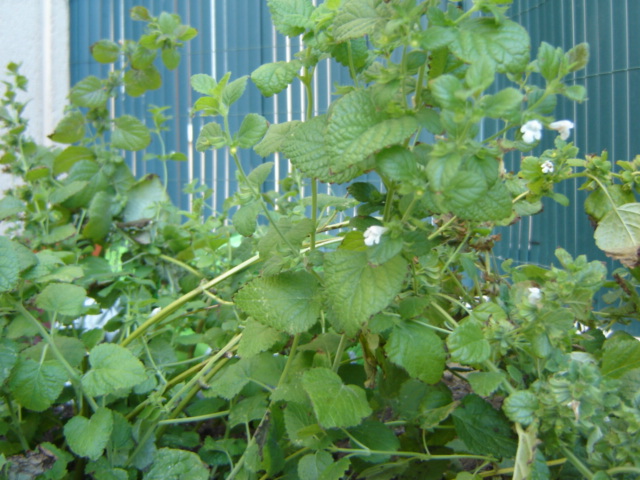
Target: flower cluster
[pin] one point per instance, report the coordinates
(372, 235)
(532, 130)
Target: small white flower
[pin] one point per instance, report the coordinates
(563, 127)
(535, 295)
(547, 167)
(531, 131)
(372, 235)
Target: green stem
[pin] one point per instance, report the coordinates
(442, 228)
(339, 352)
(176, 304)
(456, 252)
(425, 457)
(287, 366)
(182, 265)
(198, 418)
(314, 211)
(386, 216)
(73, 375)
(16, 423)
(616, 470)
(581, 467)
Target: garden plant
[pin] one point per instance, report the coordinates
(301, 335)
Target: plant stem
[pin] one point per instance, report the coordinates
(183, 265)
(339, 352)
(442, 228)
(176, 304)
(581, 467)
(73, 375)
(199, 418)
(16, 423)
(418, 456)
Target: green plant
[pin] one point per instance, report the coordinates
(387, 345)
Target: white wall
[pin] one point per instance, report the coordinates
(35, 33)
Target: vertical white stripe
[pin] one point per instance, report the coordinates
(274, 53)
(47, 67)
(190, 159)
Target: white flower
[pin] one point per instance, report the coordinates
(563, 127)
(531, 131)
(547, 167)
(372, 235)
(535, 295)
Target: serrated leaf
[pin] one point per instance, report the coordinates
(171, 57)
(356, 18)
(575, 93)
(397, 163)
(311, 466)
(356, 290)
(357, 129)
(137, 81)
(251, 130)
(418, 350)
(467, 344)
(142, 59)
(8, 357)
(485, 383)
(248, 409)
(36, 385)
(483, 430)
(578, 57)
(288, 302)
(88, 437)
(504, 103)
(264, 368)
(173, 464)
(521, 407)
(506, 43)
(70, 129)
(105, 51)
(480, 74)
(336, 405)
(62, 298)
(618, 234)
(234, 90)
(113, 368)
(291, 17)
(129, 133)
(69, 156)
(203, 83)
(272, 78)
(59, 233)
(89, 93)
(446, 90)
(621, 354)
(9, 266)
(375, 435)
(211, 136)
(494, 204)
(257, 338)
(308, 151)
(100, 218)
(276, 135)
(71, 349)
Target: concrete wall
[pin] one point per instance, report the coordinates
(35, 33)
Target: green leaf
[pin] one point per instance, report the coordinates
(70, 129)
(485, 383)
(71, 349)
(247, 410)
(312, 465)
(505, 103)
(244, 220)
(618, 234)
(483, 430)
(398, 164)
(89, 93)
(575, 93)
(252, 130)
(336, 405)
(521, 407)
(308, 151)
(129, 133)
(506, 43)
(69, 156)
(357, 128)
(374, 435)
(203, 83)
(260, 174)
(288, 302)
(550, 61)
(578, 57)
(100, 217)
(621, 354)
(467, 344)
(9, 266)
(418, 350)
(113, 368)
(356, 290)
(62, 298)
(171, 58)
(211, 136)
(272, 78)
(142, 59)
(276, 135)
(494, 204)
(10, 206)
(88, 437)
(356, 18)
(140, 13)
(105, 51)
(291, 17)
(480, 74)
(173, 464)
(138, 81)
(257, 338)
(234, 90)
(36, 385)
(8, 358)
(145, 199)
